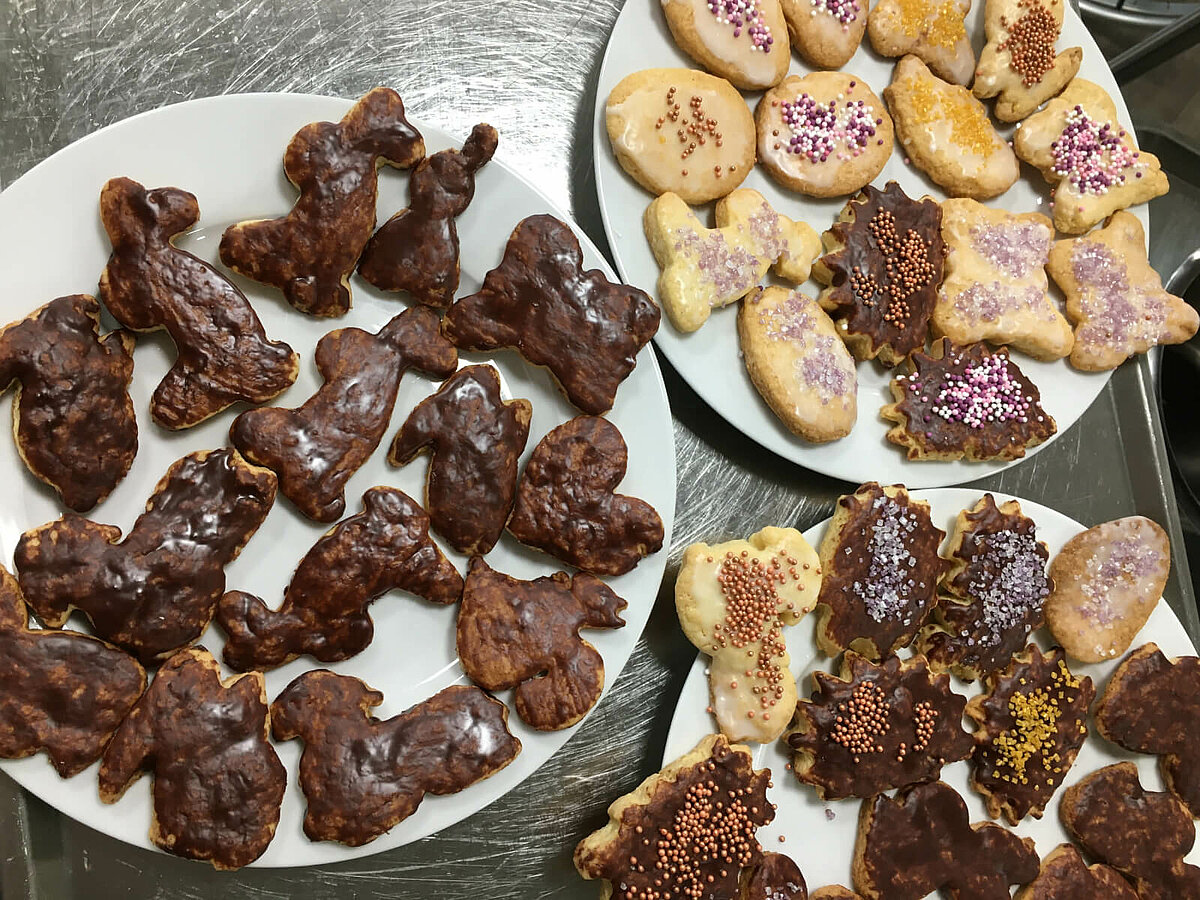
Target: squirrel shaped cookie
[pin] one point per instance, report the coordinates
(995, 286)
(933, 31)
(40, 669)
(218, 785)
(310, 253)
(224, 355)
(73, 419)
(734, 600)
(1018, 63)
(743, 41)
(1092, 162)
(325, 607)
(1065, 876)
(525, 635)
(316, 447)
(703, 269)
(947, 134)
(416, 250)
(1114, 298)
(442, 745)
(155, 591)
(826, 32)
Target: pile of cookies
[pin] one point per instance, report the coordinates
(150, 595)
(896, 272)
(880, 584)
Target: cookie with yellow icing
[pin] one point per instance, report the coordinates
(826, 32)
(932, 30)
(744, 41)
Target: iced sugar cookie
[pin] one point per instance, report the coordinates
(826, 32)
(932, 30)
(682, 131)
(744, 41)
(825, 135)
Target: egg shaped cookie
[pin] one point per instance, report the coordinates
(825, 135)
(682, 131)
(826, 32)
(744, 41)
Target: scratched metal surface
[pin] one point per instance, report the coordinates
(529, 67)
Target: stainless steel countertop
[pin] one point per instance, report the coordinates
(68, 67)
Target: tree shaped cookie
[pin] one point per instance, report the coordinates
(416, 250)
(995, 287)
(325, 607)
(933, 31)
(475, 439)
(155, 591)
(1018, 63)
(310, 253)
(734, 600)
(1065, 876)
(61, 692)
(1143, 834)
(541, 302)
(525, 635)
(875, 728)
(774, 877)
(223, 354)
(1032, 720)
(316, 447)
(1092, 162)
(1152, 705)
(882, 266)
(1114, 298)
(922, 842)
(703, 268)
(965, 402)
(362, 776)
(218, 784)
(686, 832)
(567, 506)
(74, 422)
(880, 565)
(993, 594)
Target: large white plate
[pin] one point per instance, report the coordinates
(820, 836)
(228, 151)
(709, 359)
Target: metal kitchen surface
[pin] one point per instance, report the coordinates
(68, 67)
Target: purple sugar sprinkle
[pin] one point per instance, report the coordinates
(729, 269)
(888, 585)
(988, 302)
(831, 376)
(818, 129)
(1115, 314)
(845, 11)
(1012, 586)
(1015, 249)
(1127, 559)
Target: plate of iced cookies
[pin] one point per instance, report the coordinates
(906, 238)
(315, 540)
(935, 692)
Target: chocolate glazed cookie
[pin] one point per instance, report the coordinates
(311, 252)
(223, 353)
(316, 448)
(416, 250)
(155, 591)
(362, 776)
(75, 425)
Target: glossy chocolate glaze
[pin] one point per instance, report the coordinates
(1143, 834)
(61, 692)
(837, 771)
(155, 591)
(861, 255)
(476, 440)
(582, 327)
(525, 635)
(1030, 790)
(416, 250)
(325, 607)
(774, 877)
(223, 353)
(218, 784)
(1065, 876)
(311, 252)
(75, 425)
(566, 505)
(362, 776)
(1152, 705)
(315, 448)
(923, 841)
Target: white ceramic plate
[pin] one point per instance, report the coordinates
(709, 359)
(820, 836)
(228, 151)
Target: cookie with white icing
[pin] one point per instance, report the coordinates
(933, 30)
(744, 41)
(798, 363)
(705, 268)
(826, 32)
(824, 134)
